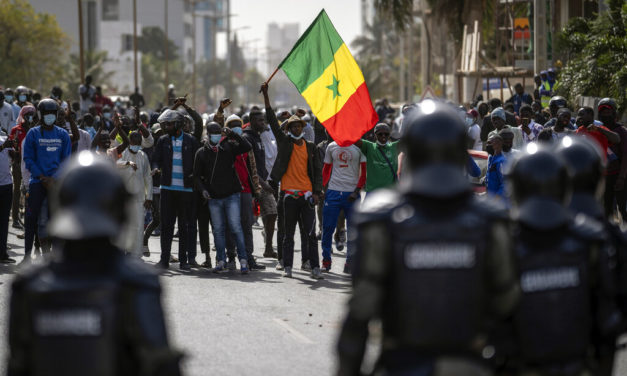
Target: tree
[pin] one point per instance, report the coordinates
(94, 67)
(33, 47)
(596, 53)
(152, 42)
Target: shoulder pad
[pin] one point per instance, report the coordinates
(490, 207)
(378, 206)
(588, 228)
(136, 273)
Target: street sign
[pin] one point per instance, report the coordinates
(427, 93)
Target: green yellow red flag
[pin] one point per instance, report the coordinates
(328, 77)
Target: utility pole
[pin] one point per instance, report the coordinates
(80, 41)
(167, 52)
(229, 49)
(194, 53)
(539, 35)
(135, 41)
(401, 78)
(410, 64)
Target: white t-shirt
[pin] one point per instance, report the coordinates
(6, 117)
(5, 165)
(84, 143)
(86, 103)
(474, 133)
(346, 166)
(272, 151)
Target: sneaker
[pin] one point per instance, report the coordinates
(340, 246)
(306, 266)
(145, 251)
(185, 267)
(162, 265)
(7, 260)
(347, 268)
(219, 267)
(206, 264)
(316, 273)
(21, 236)
(173, 259)
(279, 265)
(288, 272)
(270, 253)
(252, 264)
(17, 225)
(194, 264)
(243, 263)
(326, 265)
(231, 264)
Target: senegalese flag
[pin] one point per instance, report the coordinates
(327, 76)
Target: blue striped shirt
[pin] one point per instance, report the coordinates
(177, 167)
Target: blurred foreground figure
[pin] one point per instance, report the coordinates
(567, 310)
(92, 310)
(432, 261)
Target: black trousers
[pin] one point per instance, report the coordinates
(6, 195)
(203, 218)
(611, 195)
(293, 210)
(178, 205)
(156, 217)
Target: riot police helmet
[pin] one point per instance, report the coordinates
(172, 116)
(557, 102)
(90, 200)
(47, 106)
(586, 164)
(607, 103)
(434, 141)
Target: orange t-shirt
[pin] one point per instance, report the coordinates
(296, 177)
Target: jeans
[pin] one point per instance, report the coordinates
(177, 205)
(247, 220)
(6, 195)
(36, 196)
(225, 210)
(293, 210)
(334, 202)
(156, 217)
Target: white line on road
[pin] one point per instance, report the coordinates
(296, 334)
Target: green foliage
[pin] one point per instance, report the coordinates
(32, 46)
(154, 87)
(152, 42)
(94, 67)
(398, 11)
(596, 52)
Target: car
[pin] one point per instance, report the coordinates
(481, 159)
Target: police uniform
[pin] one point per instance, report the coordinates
(433, 261)
(90, 311)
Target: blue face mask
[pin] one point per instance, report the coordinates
(8, 98)
(237, 130)
(107, 115)
(135, 148)
(30, 119)
(296, 137)
(215, 138)
(22, 98)
(49, 119)
(469, 121)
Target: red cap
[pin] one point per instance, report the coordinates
(473, 113)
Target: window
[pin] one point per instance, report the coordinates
(110, 10)
(127, 42)
(188, 30)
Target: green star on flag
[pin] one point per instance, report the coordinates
(334, 87)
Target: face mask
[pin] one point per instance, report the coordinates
(215, 138)
(22, 98)
(135, 148)
(49, 119)
(8, 98)
(469, 121)
(608, 121)
(107, 115)
(381, 143)
(489, 149)
(29, 119)
(296, 137)
(89, 128)
(237, 130)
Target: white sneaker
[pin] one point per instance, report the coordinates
(288, 272)
(316, 273)
(279, 266)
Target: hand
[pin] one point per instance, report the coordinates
(148, 204)
(316, 198)
(224, 103)
(116, 120)
(526, 129)
(205, 195)
(620, 184)
(8, 144)
(69, 114)
(264, 88)
(180, 100)
(353, 196)
(137, 119)
(227, 132)
(154, 172)
(266, 187)
(133, 165)
(47, 181)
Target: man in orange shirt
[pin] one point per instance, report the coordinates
(299, 170)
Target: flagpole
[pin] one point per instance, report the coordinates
(272, 75)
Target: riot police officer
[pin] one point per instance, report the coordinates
(586, 163)
(91, 310)
(566, 303)
(433, 261)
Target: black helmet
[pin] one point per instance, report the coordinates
(47, 106)
(90, 200)
(586, 164)
(540, 186)
(607, 102)
(144, 117)
(557, 102)
(434, 141)
(22, 90)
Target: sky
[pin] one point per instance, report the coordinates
(257, 14)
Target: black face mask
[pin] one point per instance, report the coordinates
(489, 149)
(607, 120)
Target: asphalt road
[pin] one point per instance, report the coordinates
(256, 324)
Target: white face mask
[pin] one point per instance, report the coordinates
(296, 137)
(381, 143)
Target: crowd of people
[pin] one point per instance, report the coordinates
(225, 172)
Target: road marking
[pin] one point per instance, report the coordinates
(296, 334)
